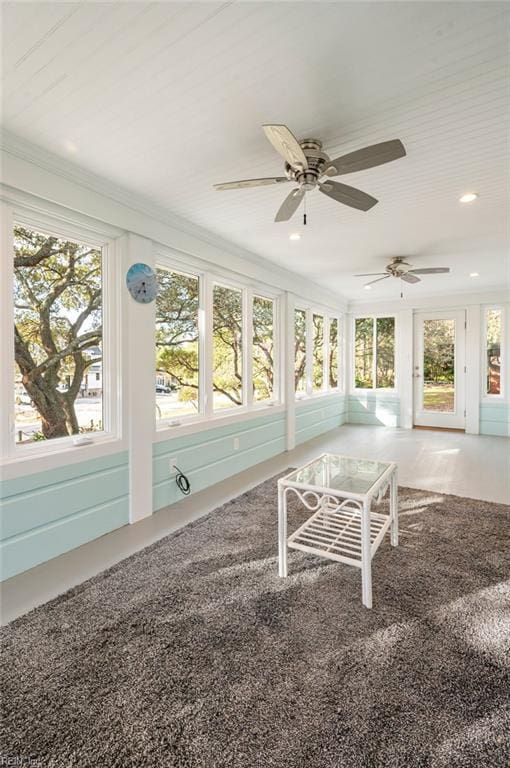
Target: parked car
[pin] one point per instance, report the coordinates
(161, 389)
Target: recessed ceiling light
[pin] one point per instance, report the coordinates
(295, 236)
(367, 287)
(474, 274)
(468, 197)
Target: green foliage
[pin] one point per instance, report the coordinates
(263, 349)
(318, 352)
(333, 352)
(439, 350)
(385, 357)
(299, 350)
(384, 348)
(177, 348)
(363, 352)
(227, 344)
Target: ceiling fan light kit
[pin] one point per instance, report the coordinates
(306, 164)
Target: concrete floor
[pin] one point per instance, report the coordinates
(448, 462)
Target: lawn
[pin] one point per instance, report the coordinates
(438, 396)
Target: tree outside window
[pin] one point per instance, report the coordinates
(227, 347)
(300, 350)
(364, 352)
(385, 352)
(318, 353)
(333, 353)
(263, 349)
(494, 320)
(57, 335)
(177, 344)
(374, 352)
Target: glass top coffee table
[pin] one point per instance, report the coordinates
(339, 490)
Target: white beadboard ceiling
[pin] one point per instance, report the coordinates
(165, 99)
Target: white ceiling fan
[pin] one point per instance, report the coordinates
(399, 268)
(306, 164)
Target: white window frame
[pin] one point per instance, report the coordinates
(207, 418)
(327, 315)
(486, 396)
(82, 230)
(374, 318)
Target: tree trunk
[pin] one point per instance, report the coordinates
(50, 408)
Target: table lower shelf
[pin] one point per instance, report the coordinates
(334, 532)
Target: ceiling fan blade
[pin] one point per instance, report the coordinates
(408, 278)
(430, 271)
(284, 141)
(368, 157)
(370, 274)
(355, 198)
(251, 183)
(378, 280)
(290, 205)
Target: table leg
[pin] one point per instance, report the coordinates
(366, 556)
(394, 509)
(282, 531)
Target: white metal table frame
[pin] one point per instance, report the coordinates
(343, 527)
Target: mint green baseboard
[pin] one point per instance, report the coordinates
(495, 419)
(314, 417)
(374, 409)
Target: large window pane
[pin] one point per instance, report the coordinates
(300, 350)
(177, 346)
(263, 349)
(318, 353)
(493, 351)
(363, 352)
(385, 353)
(439, 365)
(227, 347)
(58, 370)
(333, 353)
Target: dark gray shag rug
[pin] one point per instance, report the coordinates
(193, 653)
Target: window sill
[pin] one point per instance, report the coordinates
(43, 458)
(319, 396)
(203, 424)
(380, 391)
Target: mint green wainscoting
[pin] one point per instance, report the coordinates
(51, 512)
(494, 418)
(206, 457)
(313, 417)
(374, 408)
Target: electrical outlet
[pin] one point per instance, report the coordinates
(171, 467)
(236, 443)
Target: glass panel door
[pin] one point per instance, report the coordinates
(439, 371)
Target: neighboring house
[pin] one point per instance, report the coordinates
(164, 379)
(92, 384)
